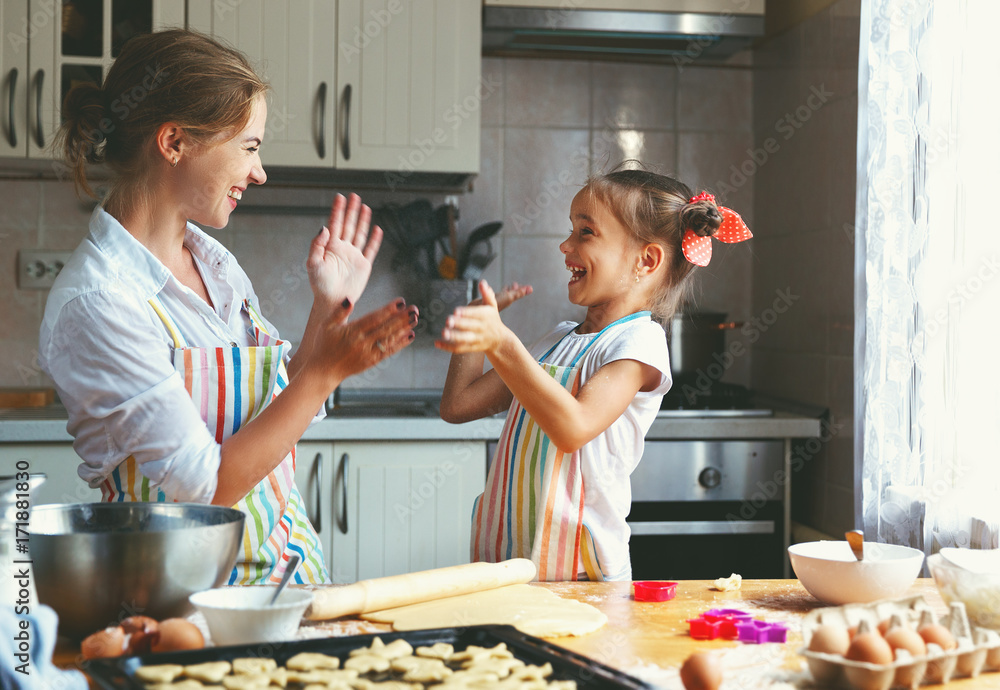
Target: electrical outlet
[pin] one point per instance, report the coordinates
(37, 268)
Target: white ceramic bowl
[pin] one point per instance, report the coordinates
(831, 573)
(971, 576)
(241, 615)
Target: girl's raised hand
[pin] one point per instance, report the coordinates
(476, 327)
(340, 257)
(505, 297)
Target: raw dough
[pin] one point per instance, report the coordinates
(161, 673)
(532, 610)
(729, 584)
(208, 672)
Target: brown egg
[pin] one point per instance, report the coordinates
(830, 639)
(701, 671)
(935, 633)
(139, 623)
(141, 630)
(908, 639)
(883, 626)
(104, 643)
(869, 647)
(175, 634)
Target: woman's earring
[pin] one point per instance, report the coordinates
(173, 163)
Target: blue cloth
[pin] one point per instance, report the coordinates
(32, 653)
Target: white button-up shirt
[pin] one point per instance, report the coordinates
(111, 357)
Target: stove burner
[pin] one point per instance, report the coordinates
(687, 393)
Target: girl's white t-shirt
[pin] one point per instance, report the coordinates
(609, 459)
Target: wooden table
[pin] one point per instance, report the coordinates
(650, 640)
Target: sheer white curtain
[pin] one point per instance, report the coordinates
(928, 273)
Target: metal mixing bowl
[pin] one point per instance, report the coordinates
(98, 563)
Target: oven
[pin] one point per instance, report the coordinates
(703, 509)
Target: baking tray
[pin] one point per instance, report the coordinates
(118, 674)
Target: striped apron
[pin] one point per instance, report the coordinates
(533, 503)
(230, 385)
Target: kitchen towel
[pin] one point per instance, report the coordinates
(34, 672)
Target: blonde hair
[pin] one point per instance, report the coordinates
(658, 209)
(178, 76)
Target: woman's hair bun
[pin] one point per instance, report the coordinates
(83, 110)
(702, 217)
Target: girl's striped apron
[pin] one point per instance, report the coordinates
(230, 385)
(533, 503)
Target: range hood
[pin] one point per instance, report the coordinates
(679, 31)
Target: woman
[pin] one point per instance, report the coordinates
(152, 332)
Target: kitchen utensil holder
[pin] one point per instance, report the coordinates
(442, 298)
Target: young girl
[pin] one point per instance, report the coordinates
(558, 489)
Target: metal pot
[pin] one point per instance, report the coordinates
(695, 339)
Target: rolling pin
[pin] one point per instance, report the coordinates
(412, 588)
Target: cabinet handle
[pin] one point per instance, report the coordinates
(39, 134)
(317, 472)
(346, 140)
(12, 138)
(342, 478)
(321, 143)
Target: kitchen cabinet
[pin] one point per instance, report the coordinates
(58, 462)
(391, 507)
(361, 84)
(51, 46)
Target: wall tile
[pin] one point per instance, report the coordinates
(63, 210)
(634, 96)
(791, 276)
(721, 164)
(493, 71)
(656, 150)
(485, 202)
(20, 210)
(839, 510)
(799, 377)
(714, 99)
(543, 171)
(547, 93)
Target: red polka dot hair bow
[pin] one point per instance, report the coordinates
(698, 249)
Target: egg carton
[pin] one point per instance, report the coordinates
(978, 649)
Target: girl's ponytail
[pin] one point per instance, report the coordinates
(702, 217)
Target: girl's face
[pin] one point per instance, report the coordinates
(217, 173)
(600, 255)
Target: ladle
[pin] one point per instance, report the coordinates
(856, 540)
(293, 563)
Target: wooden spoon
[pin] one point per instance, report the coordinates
(856, 540)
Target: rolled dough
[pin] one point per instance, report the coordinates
(532, 610)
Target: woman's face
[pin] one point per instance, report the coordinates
(217, 173)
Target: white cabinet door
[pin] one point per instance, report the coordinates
(291, 43)
(408, 78)
(403, 506)
(14, 28)
(68, 43)
(314, 479)
(58, 462)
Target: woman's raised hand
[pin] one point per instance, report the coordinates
(345, 348)
(477, 327)
(341, 256)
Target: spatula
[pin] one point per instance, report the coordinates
(293, 563)
(856, 540)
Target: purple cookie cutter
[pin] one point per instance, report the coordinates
(759, 632)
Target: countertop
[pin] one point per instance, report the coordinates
(48, 425)
(650, 640)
